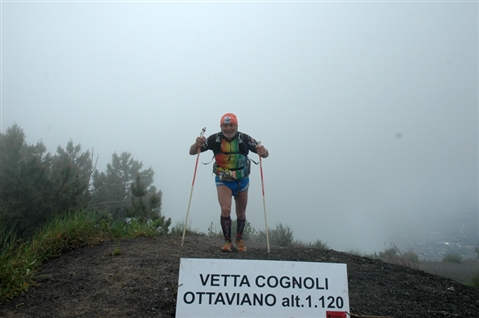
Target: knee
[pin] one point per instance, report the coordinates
(225, 210)
(241, 214)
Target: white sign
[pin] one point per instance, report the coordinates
(256, 288)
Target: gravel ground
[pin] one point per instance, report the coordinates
(142, 282)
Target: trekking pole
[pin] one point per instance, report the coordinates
(192, 185)
(264, 202)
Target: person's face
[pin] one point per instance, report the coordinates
(229, 130)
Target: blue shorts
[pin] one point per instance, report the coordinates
(235, 186)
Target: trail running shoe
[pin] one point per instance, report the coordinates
(228, 247)
(240, 245)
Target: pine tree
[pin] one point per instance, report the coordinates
(35, 186)
(146, 205)
(112, 189)
(24, 173)
(70, 175)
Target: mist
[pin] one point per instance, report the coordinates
(369, 109)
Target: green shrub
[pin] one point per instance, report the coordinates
(257, 236)
(281, 235)
(394, 256)
(389, 254)
(318, 244)
(212, 230)
(452, 257)
(177, 229)
(410, 259)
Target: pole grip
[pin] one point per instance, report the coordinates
(198, 156)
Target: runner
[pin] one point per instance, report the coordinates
(232, 167)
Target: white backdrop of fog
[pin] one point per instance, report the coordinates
(369, 109)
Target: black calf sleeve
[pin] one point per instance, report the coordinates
(226, 227)
(240, 224)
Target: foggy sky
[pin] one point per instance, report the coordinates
(369, 109)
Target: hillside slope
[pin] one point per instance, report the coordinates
(142, 282)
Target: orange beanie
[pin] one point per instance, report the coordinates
(229, 118)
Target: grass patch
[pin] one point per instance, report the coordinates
(19, 260)
(15, 268)
(117, 249)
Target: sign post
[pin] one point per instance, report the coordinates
(258, 288)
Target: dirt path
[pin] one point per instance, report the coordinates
(142, 282)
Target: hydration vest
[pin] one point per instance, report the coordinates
(231, 174)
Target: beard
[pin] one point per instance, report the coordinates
(229, 135)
